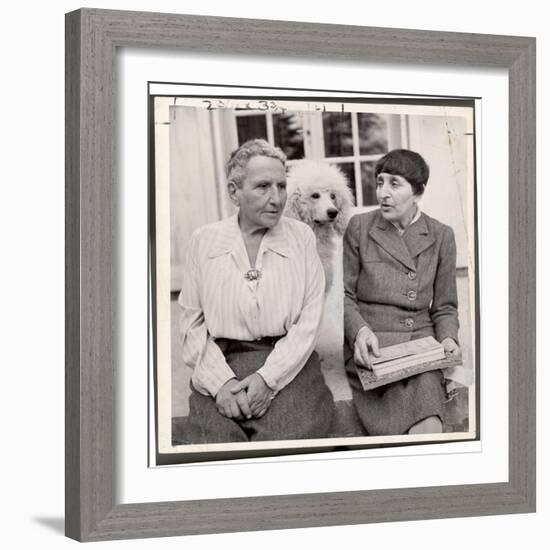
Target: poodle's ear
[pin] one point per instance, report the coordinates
(291, 209)
(295, 207)
(345, 203)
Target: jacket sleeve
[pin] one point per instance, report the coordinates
(444, 308)
(200, 351)
(292, 351)
(353, 320)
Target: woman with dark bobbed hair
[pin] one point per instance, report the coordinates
(400, 285)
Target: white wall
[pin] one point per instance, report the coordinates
(32, 245)
(192, 181)
(442, 142)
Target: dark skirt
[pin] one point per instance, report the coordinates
(301, 410)
(395, 408)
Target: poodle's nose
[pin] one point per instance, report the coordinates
(332, 213)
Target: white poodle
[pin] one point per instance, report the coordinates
(319, 195)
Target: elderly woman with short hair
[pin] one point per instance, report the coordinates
(251, 306)
(400, 284)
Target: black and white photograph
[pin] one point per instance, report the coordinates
(314, 271)
(135, 132)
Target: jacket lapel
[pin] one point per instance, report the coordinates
(405, 249)
(385, 234)
(417, 237)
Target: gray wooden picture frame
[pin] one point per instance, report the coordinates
(92, 39)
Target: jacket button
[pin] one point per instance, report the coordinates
(411, 295)
(409, 322)
(411, 275)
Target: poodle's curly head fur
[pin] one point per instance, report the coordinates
(319, 195)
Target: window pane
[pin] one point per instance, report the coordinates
(251, 127)
(347, 168)
(373, 134)
(289, 134)
(368, 183)
(337, 132)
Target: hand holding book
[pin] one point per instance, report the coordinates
(366, 343)
(451, 348)
(406, 359)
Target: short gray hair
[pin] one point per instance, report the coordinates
(239, 159)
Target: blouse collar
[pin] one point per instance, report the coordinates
(415, 219)
(230, 238)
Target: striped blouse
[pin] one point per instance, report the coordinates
(218, 302)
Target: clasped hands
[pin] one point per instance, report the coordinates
(366, 341)
(244, 399)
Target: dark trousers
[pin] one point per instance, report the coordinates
(301, 410)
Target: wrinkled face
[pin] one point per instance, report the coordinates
(396, 198)
(262, 196)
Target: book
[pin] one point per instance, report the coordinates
(407, 354)
(403, 361)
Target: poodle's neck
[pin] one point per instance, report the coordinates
(325, 230)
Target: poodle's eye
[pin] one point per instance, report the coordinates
(332, 196)
(315, 196)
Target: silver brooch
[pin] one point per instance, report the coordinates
(253, 275)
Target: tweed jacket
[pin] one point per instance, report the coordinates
(401, 287)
